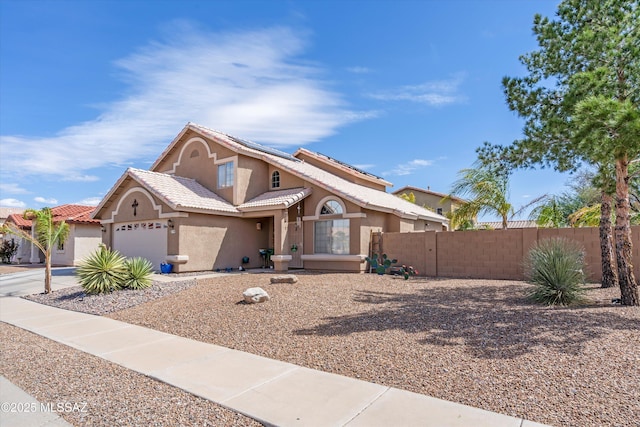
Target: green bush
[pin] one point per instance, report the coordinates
(8, 249)
(555, 268)
(139, 271)
(102, 271)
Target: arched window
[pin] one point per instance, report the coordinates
(195, 153)
(331, 207)
(331, 235)
(275, 180)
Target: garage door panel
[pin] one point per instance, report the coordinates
(146, 239)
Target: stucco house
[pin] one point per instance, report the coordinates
(85, 234)
(432, 199)
(213, 201)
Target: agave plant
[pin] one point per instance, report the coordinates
(555, 267)
(139, 271)
(102, 271)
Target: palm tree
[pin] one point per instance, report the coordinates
(486, 191)
(47, 235)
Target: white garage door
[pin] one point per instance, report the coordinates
(146, 239)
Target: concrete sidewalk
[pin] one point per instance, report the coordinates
(270, 391)
(20, 409)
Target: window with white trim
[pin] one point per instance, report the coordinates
(331, 235)
(225, 175)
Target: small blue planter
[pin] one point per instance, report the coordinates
(166, 268)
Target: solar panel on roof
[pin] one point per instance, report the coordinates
(264, 149)
(350, 166)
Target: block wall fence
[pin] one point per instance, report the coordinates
(490, 254)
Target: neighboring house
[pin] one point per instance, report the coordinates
(85, 234)
(431, 199)
(495, 225)
(211, 201)
(5, 213)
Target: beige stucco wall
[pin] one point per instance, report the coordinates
(491, 254)
(287, 180)
(253, 179)
(213, 242)
(82, 241)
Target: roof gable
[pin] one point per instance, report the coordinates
(411, 189)
(166, 186)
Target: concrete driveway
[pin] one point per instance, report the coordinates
(32, 281)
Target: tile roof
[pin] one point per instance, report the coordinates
(181, 193)
(74, 214)
(19, 220)
(71, 214)
(361, 195)
(283, 198)
(510, 224)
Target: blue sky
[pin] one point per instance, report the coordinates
(403, 89)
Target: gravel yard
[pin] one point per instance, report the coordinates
(477, 342)
(114, 396)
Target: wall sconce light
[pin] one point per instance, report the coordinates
(103, 228)
(258, 226)
(170, 224)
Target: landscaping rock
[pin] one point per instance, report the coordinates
(285, 278)
(255, 295)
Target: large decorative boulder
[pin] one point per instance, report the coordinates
(255, 295)
(285, 278)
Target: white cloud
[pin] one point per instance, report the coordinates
(50, 201)
(249, 84)
(81, 178)
(408, 168)
(12, 203)
(434, 93)
(12, 189)
(90, 201)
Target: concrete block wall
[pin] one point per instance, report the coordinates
(490, 254)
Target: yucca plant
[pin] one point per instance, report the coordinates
(104, 270)
(139, 271)
(555, 267)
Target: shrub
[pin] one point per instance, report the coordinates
(408, 271)
(555, 268)
(102, 271)
(139, 271)
(8, 249)
(381, 264)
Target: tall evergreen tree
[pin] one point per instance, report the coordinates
(581, 103)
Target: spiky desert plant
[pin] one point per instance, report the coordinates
(139, 271)
(104, 270)
(555, 267)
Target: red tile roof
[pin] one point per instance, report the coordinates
(71, 214)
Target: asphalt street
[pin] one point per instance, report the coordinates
(32, 281)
